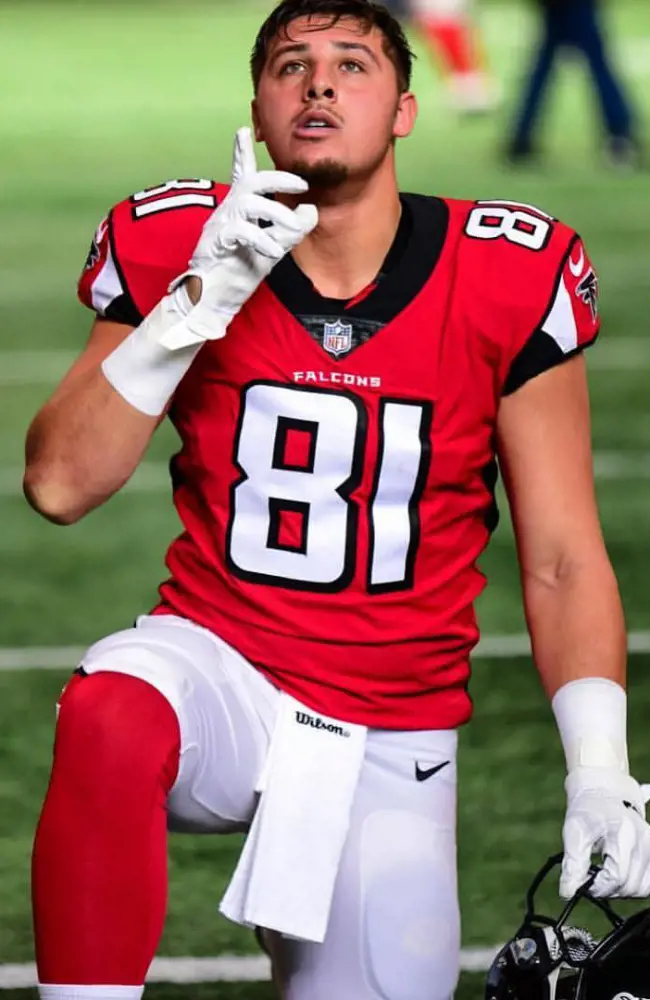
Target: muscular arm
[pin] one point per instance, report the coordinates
(86, 441)
(571, 599)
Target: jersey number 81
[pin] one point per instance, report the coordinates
(521, 224)
(312, 487)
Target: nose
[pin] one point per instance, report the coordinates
(319, 84)
(316, 91)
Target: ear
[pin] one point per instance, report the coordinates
(255, 118)
(405, 116)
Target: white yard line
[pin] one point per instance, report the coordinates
(153, 477)
(40, 657)
(622, 464)
(150, 477)
(224, 969)
(34, 367)
(46, 367)
(503, 647)
(619, 354)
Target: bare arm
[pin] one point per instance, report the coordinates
(86, 441)
(571, 598)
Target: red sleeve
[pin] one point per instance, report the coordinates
(530, 292)
(142, 245)
(570, 322)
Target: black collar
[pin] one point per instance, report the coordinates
(408, 264)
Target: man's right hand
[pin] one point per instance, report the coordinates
(234, 253)
(232, 257)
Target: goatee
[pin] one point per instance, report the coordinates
(321, 176)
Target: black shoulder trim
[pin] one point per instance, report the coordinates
(123, 308)
(538, 355)
(406, 269)
(540, 352)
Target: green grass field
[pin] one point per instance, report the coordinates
(100, 100)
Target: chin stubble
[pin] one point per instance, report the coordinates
(321, 176)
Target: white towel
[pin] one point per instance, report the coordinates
(285, 876)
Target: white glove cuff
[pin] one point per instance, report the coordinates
(142, 371)
(591, 716)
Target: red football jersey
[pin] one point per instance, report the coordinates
(336, 475)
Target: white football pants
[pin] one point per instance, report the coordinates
(394, 928)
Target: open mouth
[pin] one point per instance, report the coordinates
(313, 124)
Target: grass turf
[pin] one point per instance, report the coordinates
(96, 102)
(470, 988)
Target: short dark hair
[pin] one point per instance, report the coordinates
(370, 14)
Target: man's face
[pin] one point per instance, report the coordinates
(328, 104)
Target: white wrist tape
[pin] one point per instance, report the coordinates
(591, 716)
(143, 372)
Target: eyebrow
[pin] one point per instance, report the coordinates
(302, 47)
(359, 46)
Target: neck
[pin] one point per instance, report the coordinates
(356, 227)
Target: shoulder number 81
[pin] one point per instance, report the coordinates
(515, 224)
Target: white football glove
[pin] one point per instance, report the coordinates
(232, 257)
(234, 253)
(606, 815)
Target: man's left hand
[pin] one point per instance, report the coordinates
(605, 815)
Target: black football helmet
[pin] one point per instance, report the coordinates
(548, 959)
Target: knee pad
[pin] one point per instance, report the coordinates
(410, 917)
(113, 721)
(100, 851)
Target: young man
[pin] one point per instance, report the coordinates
(343, 363)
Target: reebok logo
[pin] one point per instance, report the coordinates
(422, 773)
(305, 719)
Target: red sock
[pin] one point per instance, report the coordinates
(99, 868)
(453, 42)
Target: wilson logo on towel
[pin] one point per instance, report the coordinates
(304, 719)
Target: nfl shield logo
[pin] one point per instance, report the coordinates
(337, 337)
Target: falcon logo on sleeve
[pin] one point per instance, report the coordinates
(575, 310)
(587, 290)
(95, 252)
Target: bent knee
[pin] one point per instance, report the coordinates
(116, 721)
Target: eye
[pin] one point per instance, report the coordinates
(290, 68)
(352, 66)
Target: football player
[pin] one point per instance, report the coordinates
(453, 39)
(343, 363)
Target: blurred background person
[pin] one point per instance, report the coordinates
(576, 26)
(453, 39)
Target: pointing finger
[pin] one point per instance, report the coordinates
(243, 161)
